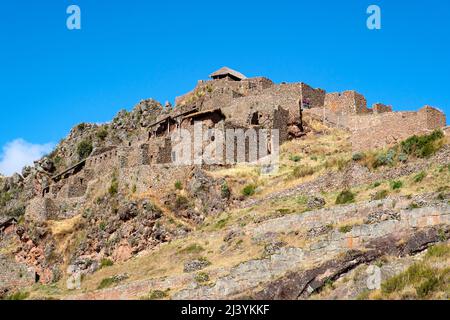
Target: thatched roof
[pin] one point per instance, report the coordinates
(224, 71)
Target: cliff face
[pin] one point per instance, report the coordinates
(109, 193)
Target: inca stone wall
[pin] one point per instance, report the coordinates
(255, 103)
(347, 102)
(381, 108)
(152, 178)
(431, 118)
(381, 130)
(378, 130)
(312, 98)
(280, 121)
(14, 275)
(218, 93)
(100, 160)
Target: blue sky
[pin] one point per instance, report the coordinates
(52, 78)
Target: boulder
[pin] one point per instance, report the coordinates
(128, 211)
(195, 265)
(315, 203)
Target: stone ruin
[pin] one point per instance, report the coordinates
(230, 100)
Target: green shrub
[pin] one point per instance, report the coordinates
(178, 185)
(221, 223)
(58, 161)
(201, 277)
(114, 187)
(295, 158)
(102, 133)
(81, 126)
(422, 146)
(19, 295)
(413, 205)
(364, 295)
(393, 284)
(17, 212)
(106, 282)
(157, 295)
(192, 248)
(283, 211)
(225, 190)
(102, 226)
(414, 275)
(358, 156)
(384, 159)
(396, 184)
(402, 157)
(181, 203)
(204, 260)
(344, 197)
(439, 251)
(5, 197)
(381, 194)
(342, 163)
(376, 184)
(84, 149)
(302, 199)
(419, 177)
(105, 262)
(249, 190)
(345, 229)
(440, 196)
(428, 286)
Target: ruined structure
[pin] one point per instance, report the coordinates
(375, 127)
(232, 101)
(142, 157)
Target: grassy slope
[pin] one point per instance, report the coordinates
(329, 150)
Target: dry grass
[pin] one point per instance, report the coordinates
(318, 153)
(63, 227)
(168, 259)
(313, 154)
(426, 279)
(167, 213)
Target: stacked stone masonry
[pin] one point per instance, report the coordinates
(253, 103)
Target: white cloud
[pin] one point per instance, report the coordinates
(19, 153)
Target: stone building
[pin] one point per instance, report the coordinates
(232, 101)
(431, 118)
(347, 102)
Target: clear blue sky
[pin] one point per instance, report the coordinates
(52, 78)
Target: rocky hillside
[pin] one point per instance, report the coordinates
(327, 223)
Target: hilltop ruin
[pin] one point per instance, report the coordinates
(230, 100)
(139, 153)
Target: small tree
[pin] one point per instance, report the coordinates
(178, 185)
(84, 149)
(249, 190)
(225, 190)
(345, 197)
(102, 134)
